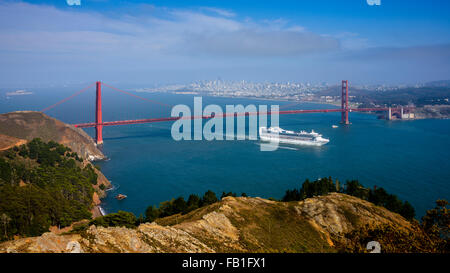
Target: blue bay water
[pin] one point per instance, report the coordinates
(407, 158)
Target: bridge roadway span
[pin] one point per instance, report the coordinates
(139, 121)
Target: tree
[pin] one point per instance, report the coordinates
(166, 208)
(380, 197)
(437, 221)
(209, 198)
(140, 220)
(119, 219)
(354, 188)
(292, 195)
(5, 171)
(193, 203)
(151, 214)
(179, 205)
(408, 211)
(310, 189)
(306, 190)
(5, 221)
(227, 194)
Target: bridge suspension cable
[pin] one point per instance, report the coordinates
(68, 98)
(136, 96)
(291, 104)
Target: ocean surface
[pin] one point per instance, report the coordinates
(408, 158)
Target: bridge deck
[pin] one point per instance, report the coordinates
(139, 121)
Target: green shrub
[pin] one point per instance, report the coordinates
(119, 219)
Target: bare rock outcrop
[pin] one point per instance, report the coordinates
(340, 213)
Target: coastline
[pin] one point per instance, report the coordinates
(99, 194)
(335, 104)
(97, 211)
(266, 99)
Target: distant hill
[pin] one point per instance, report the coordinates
(443, 83)
(235, 224)
(420, 96)
(433, 93)
(27, 125)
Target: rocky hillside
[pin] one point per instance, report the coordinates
(27, 125)
(433, 111)
(241, 224)
(7, 142)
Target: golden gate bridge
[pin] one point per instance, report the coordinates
(99, 123)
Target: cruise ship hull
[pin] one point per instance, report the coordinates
(289, 139)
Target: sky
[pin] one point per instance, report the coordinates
(166, 41)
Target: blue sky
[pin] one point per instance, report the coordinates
(156, 42)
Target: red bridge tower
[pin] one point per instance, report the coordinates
(98, 115)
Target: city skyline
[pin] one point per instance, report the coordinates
(161, 42)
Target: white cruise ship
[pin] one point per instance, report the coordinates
(291, 137)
